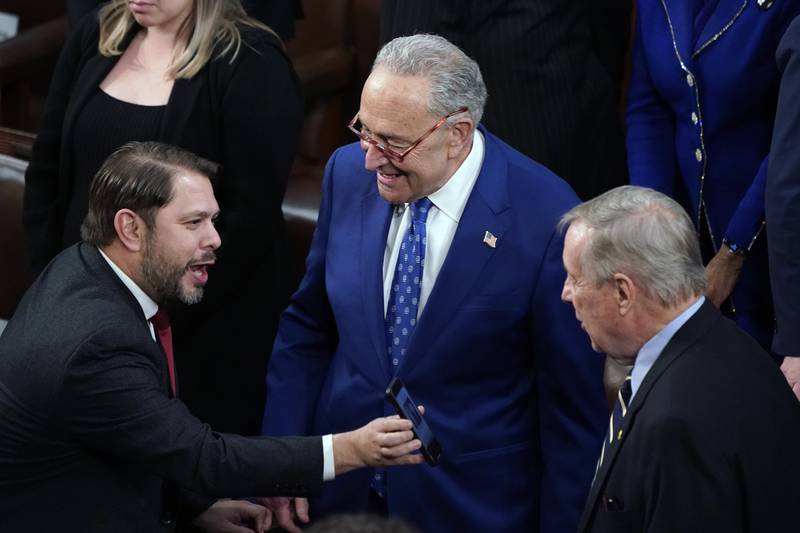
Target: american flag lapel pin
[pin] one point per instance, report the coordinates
(490, 240)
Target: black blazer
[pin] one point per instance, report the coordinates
(89, 433)
(244, 114)
(782, 195)
(553, 69)
(710, 442)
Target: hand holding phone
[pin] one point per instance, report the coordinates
(406, 407)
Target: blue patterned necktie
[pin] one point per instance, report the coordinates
(401, 312)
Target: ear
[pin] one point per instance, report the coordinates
(131, 230)
(460, 135)
(624, 293)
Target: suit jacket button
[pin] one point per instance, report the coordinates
(698, 155)
(690, 80)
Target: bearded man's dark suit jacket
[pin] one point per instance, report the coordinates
(512, 388)
(90, 439)
(711, 441)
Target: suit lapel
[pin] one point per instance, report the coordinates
(486, 210)
(688, 335)
(102, 271)
(680, 22)
(375, 213)
(720, 21)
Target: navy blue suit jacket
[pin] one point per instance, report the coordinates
(783, 199)
(512, 389)
(700, 113)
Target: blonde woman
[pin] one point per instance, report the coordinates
(202, 75)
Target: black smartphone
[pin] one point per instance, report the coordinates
(407, 408)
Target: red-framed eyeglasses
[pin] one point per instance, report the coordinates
(356, 127)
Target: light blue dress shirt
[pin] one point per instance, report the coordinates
(648, 354)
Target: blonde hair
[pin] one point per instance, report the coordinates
(211, 23)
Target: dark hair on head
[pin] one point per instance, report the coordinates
(137, 176)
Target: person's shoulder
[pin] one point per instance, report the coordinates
(347, 156)
(258, 52)
(346, 168)
(86, 33)
(259, 38)
(530, 183)
(256, 44)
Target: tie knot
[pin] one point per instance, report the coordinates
(420, 209)
(161, 319)
(625, 389)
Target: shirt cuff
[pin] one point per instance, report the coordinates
(328, 467)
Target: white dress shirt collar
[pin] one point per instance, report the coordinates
(452, 197)
(148, 305)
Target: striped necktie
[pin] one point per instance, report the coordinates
(617, 418)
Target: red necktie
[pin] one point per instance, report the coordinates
(161, 322)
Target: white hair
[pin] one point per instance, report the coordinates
(455, 79)
(645, 235)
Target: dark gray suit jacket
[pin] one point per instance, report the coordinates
(782, 198)
(710, 442)
(90, 440)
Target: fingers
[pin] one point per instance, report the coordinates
(263, 521)
(258, 516)
(421, 409)
(391, 423)
(395, 438)
(301, 509)
(286, 521)
(402, 455)
(413, 459)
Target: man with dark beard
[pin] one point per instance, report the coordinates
(92, 435)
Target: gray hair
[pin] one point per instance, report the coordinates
(455, 79)
(645, 235)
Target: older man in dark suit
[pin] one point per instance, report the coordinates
(92, 436)
(705, 434)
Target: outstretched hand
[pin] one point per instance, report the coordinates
(383, 442)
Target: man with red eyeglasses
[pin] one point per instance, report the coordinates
(436, 260)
